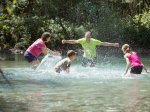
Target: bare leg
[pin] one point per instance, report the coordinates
(35, 63)
(145, 69)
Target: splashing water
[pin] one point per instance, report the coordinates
(77, 71)
(48, 62)
(85, 88)
(45, 71)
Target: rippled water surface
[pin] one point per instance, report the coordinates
(98, 89)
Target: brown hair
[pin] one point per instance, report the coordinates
(126, 48)
(71, 53)
(45, 36)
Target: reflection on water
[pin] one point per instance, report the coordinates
(99, 89)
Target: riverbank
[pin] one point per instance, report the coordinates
(10, 55)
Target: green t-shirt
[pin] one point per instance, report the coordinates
(89, 48)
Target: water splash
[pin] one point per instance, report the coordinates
(45, 71)
(48, 62)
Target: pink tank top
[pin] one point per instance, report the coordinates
(134, 60)
(36, 48)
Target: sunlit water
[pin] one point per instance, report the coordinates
(98, 89)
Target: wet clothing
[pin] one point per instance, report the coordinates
(134, 60)
(136, 70)
(89, 48)
(136, 64)
(29, 57)
(36, 48)
(63, 65)
(91, 61)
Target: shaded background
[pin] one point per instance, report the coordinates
(123, 21)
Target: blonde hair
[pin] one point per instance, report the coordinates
(126, 48)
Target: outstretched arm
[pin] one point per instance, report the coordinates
(68, 41)
(110, 44)
(127, 66)
(46, 50)
(145, 69)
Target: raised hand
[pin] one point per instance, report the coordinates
(63, 41)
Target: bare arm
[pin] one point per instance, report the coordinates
(68, 67)
(68, 41)
(145, 69)
(127, 66)
(46, 50)
(110, 44)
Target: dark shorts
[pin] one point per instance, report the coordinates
(91, 61)
(29, 57)
(136, 70)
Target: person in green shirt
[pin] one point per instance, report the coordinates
(89, 47)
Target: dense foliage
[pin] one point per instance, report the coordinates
(23, 21)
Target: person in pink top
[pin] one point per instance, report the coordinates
(132, 60)
(37, 48)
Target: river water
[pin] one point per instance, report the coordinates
(98, 89)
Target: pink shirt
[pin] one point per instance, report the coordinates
(134, 59)
(36, 48)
